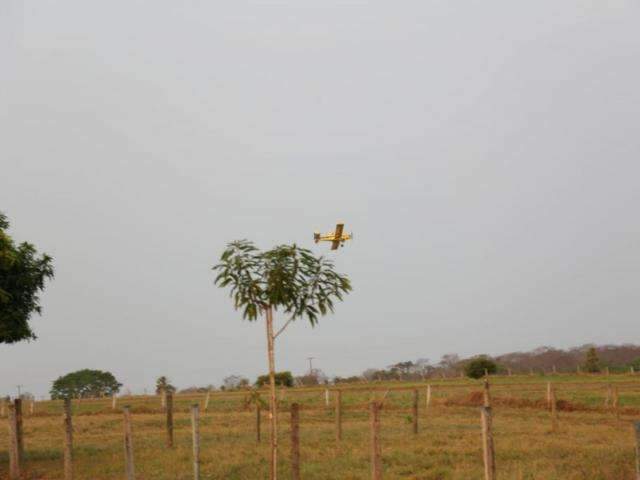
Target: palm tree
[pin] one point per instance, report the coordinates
(288, 278)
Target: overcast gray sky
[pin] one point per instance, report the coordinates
(485, 155)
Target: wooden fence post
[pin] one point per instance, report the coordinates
(195, 433)
(258, 421)
(3, 406)
(428, 400)
(338, 415)
(606, 371)
(376, 456)
(554, 411)
(609, 397)
(327, 402)
(18, 406)
(487, 444)
(206, 400)
(114, 401)
(554, 370)
(486, 394)
(169, 409)
(549, 395)
(32, 406)
(616, 403)
(295, 441)
(128, 445)
(637, 429)
(163, 399)
(631, 370)
(415, 411)
(68, 440)
(14, 453)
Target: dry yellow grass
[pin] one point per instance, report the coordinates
(590, 444)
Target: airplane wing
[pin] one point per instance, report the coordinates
(337, 237)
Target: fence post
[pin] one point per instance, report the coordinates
(32, 406)
(415, 411)
(258, 420)
(195, 431)
(68, 440)
(128, 445)
(114, 401)
(338, 415)
(554, 370)
(163, 399)
(487, 444)
(554, 411)
(486, 394)
(637, 429)
(3, 406)
(631, 370)
(14, 453)
(169, 408)
(206, 400)
(428, 400)
(18, 406)
(376, 457)
(609, 397)
(326, 398)
(549, 395)
(295, 441)
(616, 403)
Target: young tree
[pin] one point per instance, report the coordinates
(163, 385)
(287, 278)
(22, 277)
(85, 384)
(592, 362)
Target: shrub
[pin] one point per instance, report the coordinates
(283, 379)
(477, 367)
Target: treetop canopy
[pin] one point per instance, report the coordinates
(286, 277)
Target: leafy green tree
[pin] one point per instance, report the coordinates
(288, 279)
(592, 362)
(85, 384)
(477, 367)
(163, 386)
(282, 379)
(22, 277)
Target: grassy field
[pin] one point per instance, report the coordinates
(591, 443)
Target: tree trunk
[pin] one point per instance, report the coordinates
(273, 463)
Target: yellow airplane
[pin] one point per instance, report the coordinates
(336, 238)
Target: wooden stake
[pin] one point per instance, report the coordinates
(549, 395)
(32, 407)
(169, 409)
(163, 399)
(606, 371)
(415, 411)
(295, 441)
(338, 415)
(509, 371)
(195, 433)
(615, 402)
(487, 444)
(428, 400)
(637, 429)
(376, 456)
(631, 370)
(68, 440)
(206, 400)
(114, 401)
(486, 394)
(18, 408)
(326, 398)
(3, 407)
(128, 445)
(258, 420)
(14, 452)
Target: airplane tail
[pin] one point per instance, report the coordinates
(316, 237)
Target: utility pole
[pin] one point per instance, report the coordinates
(311, 359)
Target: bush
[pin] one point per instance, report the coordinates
(477, 367)
(283, 379)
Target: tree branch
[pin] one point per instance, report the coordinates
(283, 327)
